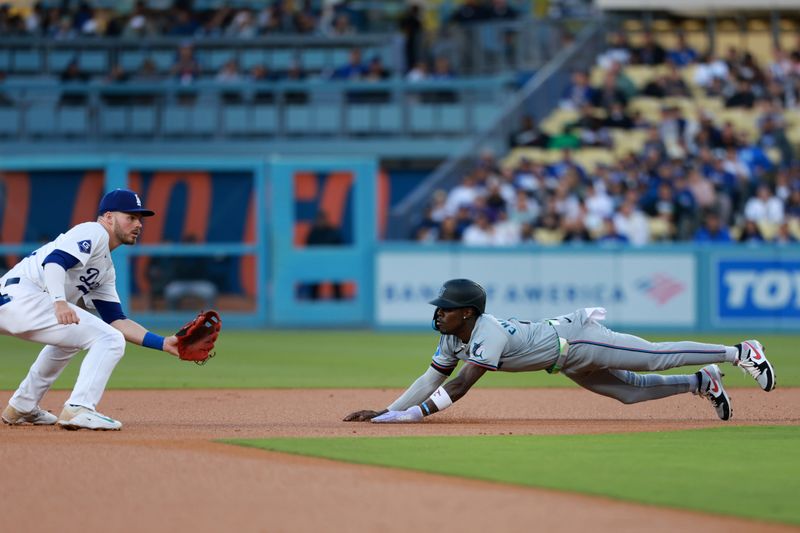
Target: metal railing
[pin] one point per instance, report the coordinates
(37, 110)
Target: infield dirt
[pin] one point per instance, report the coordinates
(163, 472)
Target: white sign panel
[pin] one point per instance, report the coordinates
(637, 289)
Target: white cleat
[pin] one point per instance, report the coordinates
(37, 417)
(753, 361)
(80, 417)
(711, 388)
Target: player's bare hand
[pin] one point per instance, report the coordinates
(171, 345)
(362, 416)
(65, 314)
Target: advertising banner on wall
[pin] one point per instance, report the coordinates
(638, 289)
(756, 291)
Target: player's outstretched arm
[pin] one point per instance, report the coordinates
(441, 399)
(422, 387)
(137, 334)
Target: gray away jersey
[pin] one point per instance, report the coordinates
(509, 345)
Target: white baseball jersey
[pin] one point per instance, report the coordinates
(509, 345)
(93, 277)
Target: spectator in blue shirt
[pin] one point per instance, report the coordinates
(684, 55)
(354, 69)
(712, 229)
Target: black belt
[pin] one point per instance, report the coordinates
(11, 281)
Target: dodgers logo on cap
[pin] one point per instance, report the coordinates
(123, 200)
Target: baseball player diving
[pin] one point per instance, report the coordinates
(38, 302)
(576, 344)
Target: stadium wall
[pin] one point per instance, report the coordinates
(251, 218)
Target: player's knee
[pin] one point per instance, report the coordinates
(114, 341)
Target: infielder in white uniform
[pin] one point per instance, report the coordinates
(38, 302)
(577, 344)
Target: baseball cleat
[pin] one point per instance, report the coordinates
(80, 417)
(711, 388)
(753, 361)
(37, 417)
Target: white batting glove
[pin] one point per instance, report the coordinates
(412, 414)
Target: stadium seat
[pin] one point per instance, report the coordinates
(217, 58)
(452, 118)
(9, 122)
(57, 60)
(235, 119)
(483, 115)
(175, 120)
(281, 60)
(143, 120)
(131, 60)
(73, 120)
(314, 59)
(27, 61)
(390, 119)
(40, 119)
(112, 120)
(94, 61)
(327, 119)
(5, 60)
(359, 118)
(203, 119)
(164, 59)
(251, 58)
(265, 119)
(298, 119)
(422, 118)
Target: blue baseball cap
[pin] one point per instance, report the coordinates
(123, 200)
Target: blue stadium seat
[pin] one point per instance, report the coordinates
(5, 60)
(164, 59)
(27, 61)
(298, 118)
(73, 120)
(217, 58)
(314, 59)
(452, 118)
(265, 119)
(422, 118)
(40, 119)
(281, 59)
(235, 119)
(94, 61)
(204, 119)
(359, 118)
(131, 60)
(390, 118)
(483, 115)
(143, 120)
(327, 119)
(112, 120)
(340, 56)
(9, 122)
(58, 60)
(175, 120)
(251, 58)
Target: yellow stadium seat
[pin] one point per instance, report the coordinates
(640, 75)
(589, 158)
(553, 124)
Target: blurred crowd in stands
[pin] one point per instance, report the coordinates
(695, 178)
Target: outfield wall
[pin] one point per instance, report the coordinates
(251, 218)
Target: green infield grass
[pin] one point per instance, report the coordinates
(337, 359)
(749, 472)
